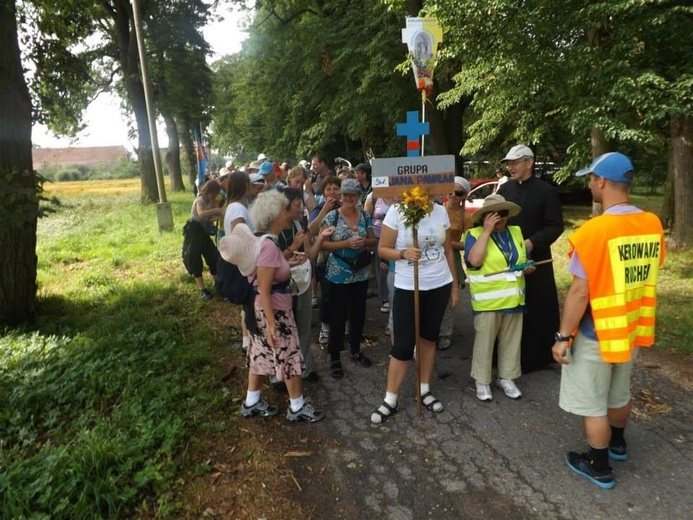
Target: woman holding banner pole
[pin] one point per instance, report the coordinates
(437, 284)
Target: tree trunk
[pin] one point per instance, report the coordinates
(18, 183)
(667, 212)
(414, 7)
(681, 154)
(454, 128)
(189, 154)
(172, 156)
(129, 62)
(439, 140)
(599, 146)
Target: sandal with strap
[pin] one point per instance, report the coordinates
(431, 402)
(383, 413)
(336, 370)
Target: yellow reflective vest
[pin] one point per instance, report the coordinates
(499, 291)
(621, 255)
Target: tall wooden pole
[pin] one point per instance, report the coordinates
(417, 311)
(163, 208)
(423, 118)
(417, 325)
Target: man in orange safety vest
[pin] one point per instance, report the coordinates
(609, 313)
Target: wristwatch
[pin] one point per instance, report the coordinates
(560, 338)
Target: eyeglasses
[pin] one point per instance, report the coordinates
(502, 213)
(459, 193)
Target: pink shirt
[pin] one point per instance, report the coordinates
(271, 256)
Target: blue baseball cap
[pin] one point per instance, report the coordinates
(266, 168)
(613, 166)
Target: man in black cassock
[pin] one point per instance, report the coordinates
(541, 222)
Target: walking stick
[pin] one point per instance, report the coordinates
(519, 267)
(417, 327)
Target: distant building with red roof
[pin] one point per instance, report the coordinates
(78, 156)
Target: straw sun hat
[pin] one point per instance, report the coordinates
(240, 248)
(494, 203)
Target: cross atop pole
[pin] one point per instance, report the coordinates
(412, 130)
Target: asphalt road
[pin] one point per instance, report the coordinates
(503, 459)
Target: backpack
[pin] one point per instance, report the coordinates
(231, 284)
(234, 285)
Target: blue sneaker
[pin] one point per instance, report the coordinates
(619, 453)
(581, 464)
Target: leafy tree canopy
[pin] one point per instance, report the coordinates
(315, 76)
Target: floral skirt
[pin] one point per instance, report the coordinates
(285, 360)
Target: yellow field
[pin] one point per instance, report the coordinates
(113, 187)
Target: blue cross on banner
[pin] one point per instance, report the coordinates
(413, 129)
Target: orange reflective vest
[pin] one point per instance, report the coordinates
(621, 255)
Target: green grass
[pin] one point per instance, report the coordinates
(675, 286)
(100, 397)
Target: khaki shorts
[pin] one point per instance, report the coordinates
(589, 385)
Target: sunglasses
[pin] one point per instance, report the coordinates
(459, 193)
(502, 213)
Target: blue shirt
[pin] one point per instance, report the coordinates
(339, 271)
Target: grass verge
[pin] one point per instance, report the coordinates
(98, 399)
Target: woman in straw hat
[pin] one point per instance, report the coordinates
(274, 346)
(492, 250)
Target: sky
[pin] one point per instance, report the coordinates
(106, 126)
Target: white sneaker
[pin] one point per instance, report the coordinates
(324, 337)
(509, 388)
(483, 392)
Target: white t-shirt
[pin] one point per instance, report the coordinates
(434, 271)
(233, 211)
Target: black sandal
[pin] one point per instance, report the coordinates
(336, 370)
(383, 413)
(431, 405)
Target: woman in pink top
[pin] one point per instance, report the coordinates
(274, 346)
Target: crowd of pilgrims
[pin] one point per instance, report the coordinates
(328, 224)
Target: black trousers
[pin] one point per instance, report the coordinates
(347, 299)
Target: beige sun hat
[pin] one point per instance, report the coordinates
(492, 203)
(240, 248)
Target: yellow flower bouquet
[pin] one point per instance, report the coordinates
(416, 205)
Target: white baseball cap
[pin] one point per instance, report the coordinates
(518, 152)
